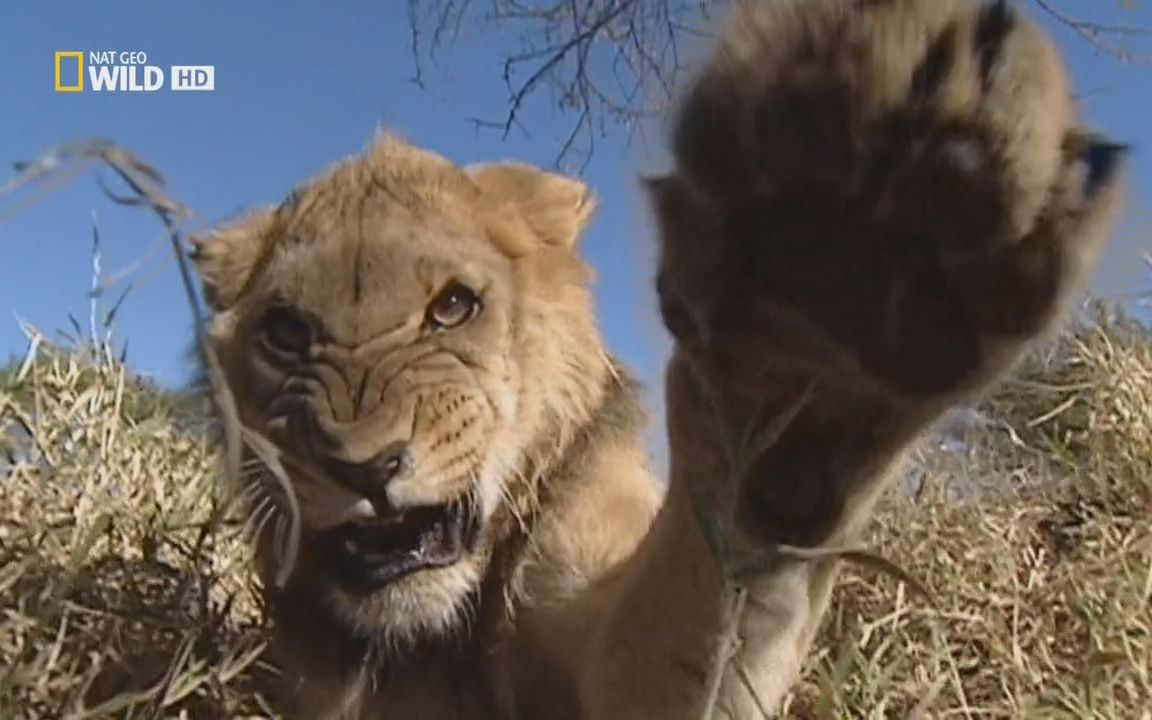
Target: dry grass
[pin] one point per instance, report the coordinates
(116, 599)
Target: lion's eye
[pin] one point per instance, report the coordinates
(285, 331)
(454, 306)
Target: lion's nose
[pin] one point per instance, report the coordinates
(370, 478)
(394, 461)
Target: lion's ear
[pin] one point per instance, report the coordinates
(556, 207)
(227, 257)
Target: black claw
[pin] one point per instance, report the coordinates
(935, 66)
(1103, 158)
(996, 21)
(291, 201)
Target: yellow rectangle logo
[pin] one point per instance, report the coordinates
(78, 56)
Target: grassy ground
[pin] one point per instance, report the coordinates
(118, 599)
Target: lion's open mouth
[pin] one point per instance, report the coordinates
(369, 555)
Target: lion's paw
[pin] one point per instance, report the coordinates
(902, 184)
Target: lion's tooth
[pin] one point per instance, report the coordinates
(360, 510)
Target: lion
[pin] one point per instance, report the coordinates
(875, 208)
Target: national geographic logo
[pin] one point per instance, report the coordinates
(126, 71)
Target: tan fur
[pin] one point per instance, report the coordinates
(876, 206)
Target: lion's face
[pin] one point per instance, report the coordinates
(414, 338)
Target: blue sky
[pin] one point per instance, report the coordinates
(302, 84)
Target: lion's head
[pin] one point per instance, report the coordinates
(418, 341)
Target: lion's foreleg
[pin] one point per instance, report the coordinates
(817, 454)
(704, 617)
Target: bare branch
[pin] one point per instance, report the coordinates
(602, 63)
(617, 63)
(1102, 36)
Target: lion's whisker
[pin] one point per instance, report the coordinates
(288, 522)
